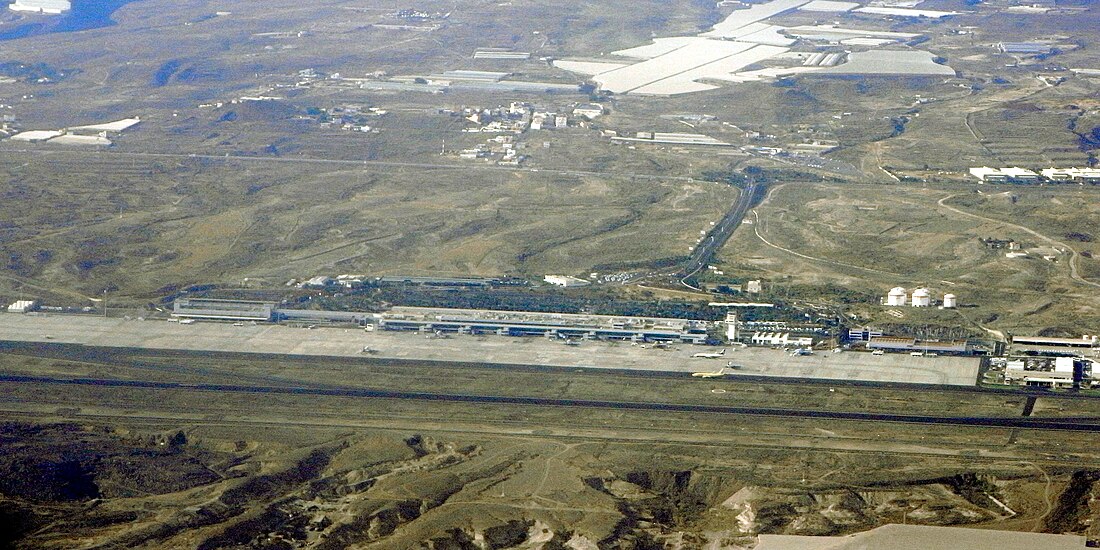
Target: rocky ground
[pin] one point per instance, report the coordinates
(91, 486)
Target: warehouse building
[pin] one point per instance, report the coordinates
(913, 345)
(1074, 175)
(1055, 346)
(1082, 342)
(1014, 174)
(1024, 48)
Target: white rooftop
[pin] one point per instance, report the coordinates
(1010, 172)
(116, 126)
(1071, 173)
(829, 6)
(906, 12)
(36, 135)
(43, 6)
(75, 139)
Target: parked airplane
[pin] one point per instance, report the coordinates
(716, 374)
(710, 355)
(569, 342)
(801, 351)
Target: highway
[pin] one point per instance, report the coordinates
(1084, 424)
(713, 241)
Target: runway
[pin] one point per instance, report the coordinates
(1084, 424)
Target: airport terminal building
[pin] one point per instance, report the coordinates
(551, 325)
(226, 310)
(460, 321)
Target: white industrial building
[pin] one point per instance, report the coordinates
(36, 135)
(318, 281)
(754, 287)
(780, 339)
(41, 6)
(588, 110)
(1013, 174)
(1054, 344)
(564, 280)
(896, 297)
(922, 298)
(1076, 175)
(950, 301)
(1058, 373)
(23, 306)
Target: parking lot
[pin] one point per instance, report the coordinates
(331, 341)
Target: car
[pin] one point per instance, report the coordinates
(878, 352)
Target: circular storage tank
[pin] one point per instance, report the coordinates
(896, 297)
(949, 300)
(922, 298)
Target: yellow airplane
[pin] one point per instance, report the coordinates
(716, 374)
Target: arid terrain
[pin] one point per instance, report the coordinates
(180, 466)
(271, 143)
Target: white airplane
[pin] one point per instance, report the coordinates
(710, 355)
(716, 374)
(801, 351)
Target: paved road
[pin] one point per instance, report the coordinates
(1073, 272)
(705, 251)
